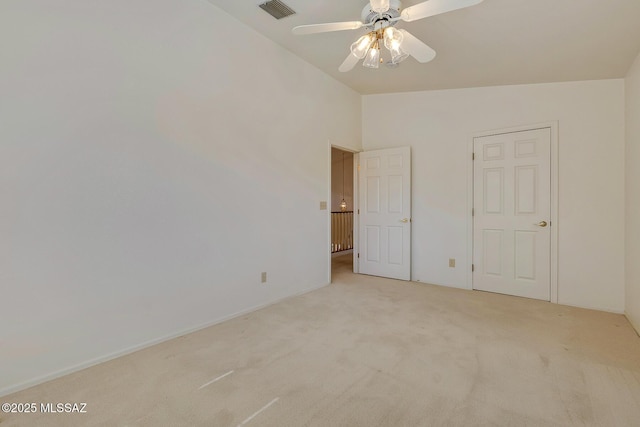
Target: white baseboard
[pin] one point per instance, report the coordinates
(635, 325)
(87, 364)
(587, 307)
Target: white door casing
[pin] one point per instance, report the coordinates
(512, 213)
(385, 213)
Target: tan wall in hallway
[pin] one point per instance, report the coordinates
(341, 179)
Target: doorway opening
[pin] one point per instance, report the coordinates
(342, 211)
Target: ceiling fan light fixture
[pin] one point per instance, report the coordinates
(379, 17)
(379, 6)
(361, 46)
(373, 57)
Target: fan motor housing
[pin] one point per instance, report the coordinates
(371, 18)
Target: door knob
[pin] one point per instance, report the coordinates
(542, 224)
(404, 220)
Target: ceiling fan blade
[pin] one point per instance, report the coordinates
(325, 28)
(416, 48)
(434, 7)
(349, 63)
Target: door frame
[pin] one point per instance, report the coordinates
(553, 127)
(356, 202)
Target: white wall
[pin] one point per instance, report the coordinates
(632, 96)
(148, 150)
(439, 126)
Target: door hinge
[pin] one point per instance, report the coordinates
(473, 156)
(358, 254)
(473, 211)
(358, 211)
(473, 267)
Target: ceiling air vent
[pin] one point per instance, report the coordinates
(277, 9)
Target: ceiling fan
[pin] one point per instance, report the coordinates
(380, 17)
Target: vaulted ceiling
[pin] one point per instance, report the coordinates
(497, 42)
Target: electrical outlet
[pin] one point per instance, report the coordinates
(452, 262)
(323, 206)
(263, 277)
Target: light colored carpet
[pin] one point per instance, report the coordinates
(367, 351)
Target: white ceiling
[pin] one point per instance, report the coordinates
(498, 42)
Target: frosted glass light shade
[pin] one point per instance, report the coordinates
(392, 38)
(398, 55)
(361, 46)
(379, 6)
(373, 57)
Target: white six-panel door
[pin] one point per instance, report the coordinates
(512, 214)
(385, 213)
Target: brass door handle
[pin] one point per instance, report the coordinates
(542, 224)
(404, 220)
